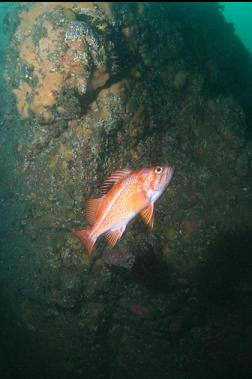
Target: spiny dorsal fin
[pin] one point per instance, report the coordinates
(92, 209)
(114, 235)
(113, 179)
(148, 215)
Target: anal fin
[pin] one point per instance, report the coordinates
(114, 235)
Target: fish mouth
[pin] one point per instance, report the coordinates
(169, 173)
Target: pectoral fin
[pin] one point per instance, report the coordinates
(138, 201)
(148, 215)
(114, 235)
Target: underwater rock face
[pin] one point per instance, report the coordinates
(94, 87)
(60, 57)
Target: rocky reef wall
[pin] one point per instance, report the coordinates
(90, 88)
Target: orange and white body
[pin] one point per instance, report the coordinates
(132, 192)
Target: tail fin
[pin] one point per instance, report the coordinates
(86, 239)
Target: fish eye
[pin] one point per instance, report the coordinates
(158, 170)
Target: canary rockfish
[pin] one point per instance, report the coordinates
(125, 194)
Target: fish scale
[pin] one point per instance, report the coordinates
(133, 192)
(122, 206)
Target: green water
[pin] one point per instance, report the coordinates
(240, 14)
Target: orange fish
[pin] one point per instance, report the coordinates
(132, 192)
